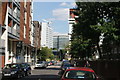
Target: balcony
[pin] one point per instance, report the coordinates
(9, 10)
(17, 2)
(14, 14)
(14, 31)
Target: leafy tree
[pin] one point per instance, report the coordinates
(45, 53)
(95, 19)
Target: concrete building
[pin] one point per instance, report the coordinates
(46, 35)
(60, 41)
(15, 27)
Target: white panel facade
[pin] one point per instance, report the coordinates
(46, 35)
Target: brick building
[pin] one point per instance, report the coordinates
(15, 28)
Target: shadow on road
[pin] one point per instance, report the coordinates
(48, 68)
(41, 77)
(37, 77)
(53, 68)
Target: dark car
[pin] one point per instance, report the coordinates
(79, 73)
(64, 66)
(27, 68)
(14, 70)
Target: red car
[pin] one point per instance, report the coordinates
(79, 73)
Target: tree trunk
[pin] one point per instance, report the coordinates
(99, 50)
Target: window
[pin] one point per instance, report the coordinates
(77, 74)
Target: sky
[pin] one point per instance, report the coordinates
(56, 13)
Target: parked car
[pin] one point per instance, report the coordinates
(27, 68)
(14, 70)
(49, 63)
(41, 64)
(79, 73)
(53, 62)
(65, 62)
(64, 66)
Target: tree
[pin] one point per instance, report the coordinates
(45, 53)
(95, 19)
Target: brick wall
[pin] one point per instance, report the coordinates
(3, 9)
(22, 21)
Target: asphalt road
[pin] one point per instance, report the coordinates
(49, 73)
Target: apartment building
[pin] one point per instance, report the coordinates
(46, 35)
(15, 31)
(72, 21)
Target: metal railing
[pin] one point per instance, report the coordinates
(14, 14)
(17, 2)
(9, 10)
(13, 31)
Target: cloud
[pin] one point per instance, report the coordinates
(70, 5)
(64, 4)
(51, 19)
(61, 14)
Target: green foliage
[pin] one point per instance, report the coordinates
(45, 53)
(95, 18)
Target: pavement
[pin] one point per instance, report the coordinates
(32, 67)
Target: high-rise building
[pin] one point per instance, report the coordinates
(15, 26)
(46, 35)
(60, 41)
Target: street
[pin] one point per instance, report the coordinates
(49, 73)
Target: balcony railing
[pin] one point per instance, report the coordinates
(17, 2)
(9, 10)
(14, 31)
(14, 14)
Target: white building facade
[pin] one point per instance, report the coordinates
(46, 35)
(16, 23)
(72, 21)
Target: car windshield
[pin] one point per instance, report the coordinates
(78, 74)
(9, 66)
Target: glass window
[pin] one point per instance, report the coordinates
(8, 66)
(78, 74)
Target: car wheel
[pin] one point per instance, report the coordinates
(28, 73)
(24, 75)
(18, 76)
